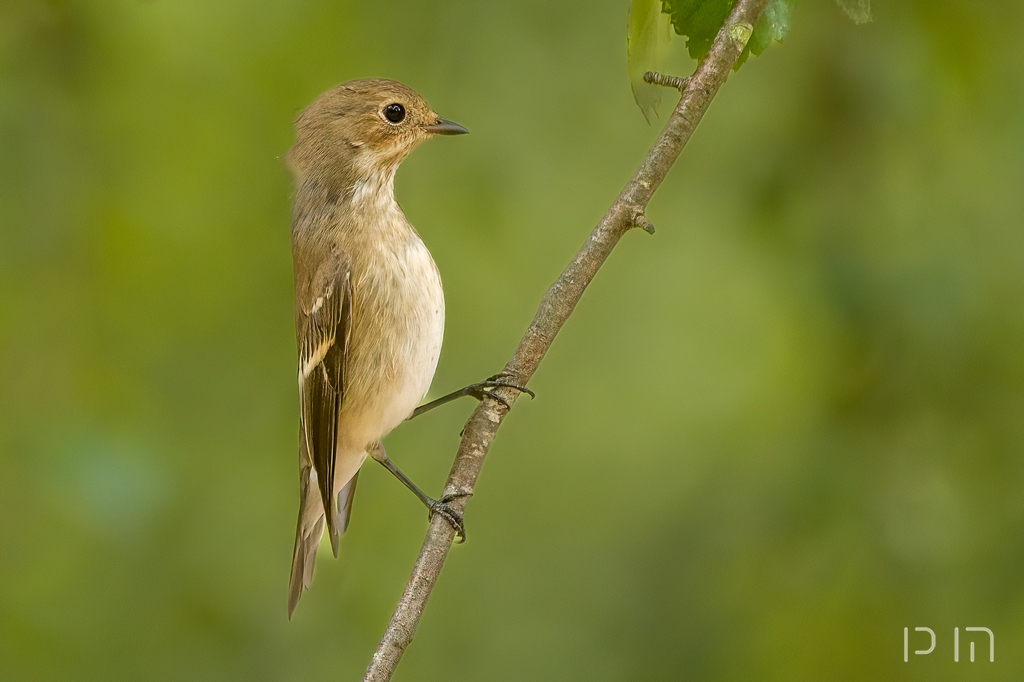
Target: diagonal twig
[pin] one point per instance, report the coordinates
(626, 212)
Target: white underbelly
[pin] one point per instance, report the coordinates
(423, 349)
(397, 347)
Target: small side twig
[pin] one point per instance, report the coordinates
(677, 82)
(555, 307)
(638, 218)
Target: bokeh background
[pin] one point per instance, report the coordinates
(772, 436)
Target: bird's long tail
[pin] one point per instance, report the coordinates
(310, 530)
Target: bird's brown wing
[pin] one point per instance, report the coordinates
(323, 349)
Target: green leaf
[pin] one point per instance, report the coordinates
(647, 35)
(772, 26)
(700, 20)
(858, 10)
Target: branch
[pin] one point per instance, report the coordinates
(561, 298)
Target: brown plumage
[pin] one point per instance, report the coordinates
(369, 308)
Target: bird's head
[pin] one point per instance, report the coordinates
(362, 129)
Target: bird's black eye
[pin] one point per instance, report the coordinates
(394, 112)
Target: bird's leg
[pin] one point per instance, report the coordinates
(442, 506)
(478, 390)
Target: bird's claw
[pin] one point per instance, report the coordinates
(480, 390)
(445, 510)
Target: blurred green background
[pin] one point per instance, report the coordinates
(772, 436)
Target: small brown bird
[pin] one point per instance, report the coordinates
(369, 308)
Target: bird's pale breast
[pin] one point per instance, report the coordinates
(397, 330)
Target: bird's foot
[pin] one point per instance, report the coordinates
(453, 516)
(484, 389)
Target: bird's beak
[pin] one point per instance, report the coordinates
(443, 127)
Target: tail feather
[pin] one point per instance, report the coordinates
(310, 530)
(342, 512)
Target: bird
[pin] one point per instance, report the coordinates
(369, 304)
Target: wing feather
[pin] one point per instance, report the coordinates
(322, 356)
